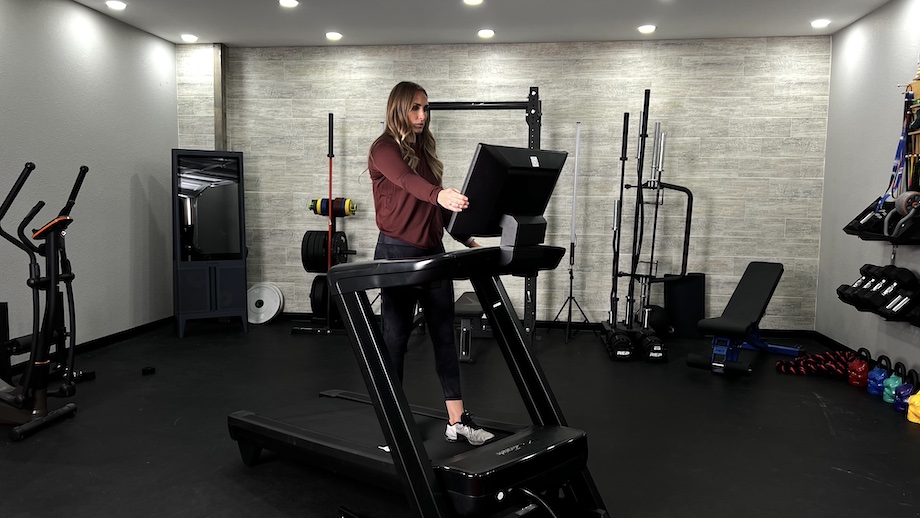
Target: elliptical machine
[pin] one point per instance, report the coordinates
(25, 403)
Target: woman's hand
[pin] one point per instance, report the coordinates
(453, 200)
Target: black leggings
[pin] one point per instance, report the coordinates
(398, 311)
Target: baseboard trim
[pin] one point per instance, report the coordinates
(112, 339)
(826, 341)
(105, 341)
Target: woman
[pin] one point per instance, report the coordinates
(412, 208)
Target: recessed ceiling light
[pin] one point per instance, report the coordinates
(820, 24)
(116, 5)
(189, 38)
(472, 2)
(288, 3)
(333, 36)
(646, 29)
(486, 33)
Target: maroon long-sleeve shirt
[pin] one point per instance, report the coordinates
(406, 201)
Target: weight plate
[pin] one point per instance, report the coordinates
(319, 293)
(313, 251)
(339, 248)
(264, 302)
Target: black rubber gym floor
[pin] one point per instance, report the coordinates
(664, 440)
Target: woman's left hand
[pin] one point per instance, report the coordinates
(453, 200)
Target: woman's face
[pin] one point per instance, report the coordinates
(418, 112)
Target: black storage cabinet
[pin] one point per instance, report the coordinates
(209, 236)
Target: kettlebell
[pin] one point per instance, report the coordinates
(913, 409)
(905, 391)
(893, 382)
(858, 369)
(878, 375)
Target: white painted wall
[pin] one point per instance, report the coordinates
(80, 88)
(871, 61)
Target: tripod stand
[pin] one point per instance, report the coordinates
(570, 300)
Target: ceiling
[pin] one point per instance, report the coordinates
(263, 23)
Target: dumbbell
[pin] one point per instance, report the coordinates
(878, 375)
(899, 279)
(905, 391)
(619, 346)
(868, 273)
(863, 297)
(893, 382)
(858, 369)
(901, 307)
(653, 349)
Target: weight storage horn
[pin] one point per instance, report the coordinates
(341, 207)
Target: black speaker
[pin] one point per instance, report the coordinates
(684, 303)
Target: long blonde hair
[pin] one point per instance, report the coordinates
(399, 129)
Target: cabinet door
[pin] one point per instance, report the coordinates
(230, 287)
(194, 289)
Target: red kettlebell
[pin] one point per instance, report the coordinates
(858, 369)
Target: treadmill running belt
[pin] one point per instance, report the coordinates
(340, 436)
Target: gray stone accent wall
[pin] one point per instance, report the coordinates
(195, 71)
(745, 120)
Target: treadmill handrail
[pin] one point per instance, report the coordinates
(454, 265)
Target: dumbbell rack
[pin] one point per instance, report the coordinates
(891, 292)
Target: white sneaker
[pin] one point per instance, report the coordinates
(467, 430)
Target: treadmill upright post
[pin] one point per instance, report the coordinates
(532, 384)
(391, 407)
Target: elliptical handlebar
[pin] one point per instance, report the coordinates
(26, 242)
(73, 193)
(23, 176)
(8, 201)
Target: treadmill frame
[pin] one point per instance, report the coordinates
(483, 267)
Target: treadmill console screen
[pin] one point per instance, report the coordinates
(503, 181)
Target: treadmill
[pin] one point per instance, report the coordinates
(538, 468)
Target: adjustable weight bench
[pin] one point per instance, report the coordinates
(737, 328)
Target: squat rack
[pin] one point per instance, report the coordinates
(533, 117)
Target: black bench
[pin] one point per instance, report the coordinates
(738, 326)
